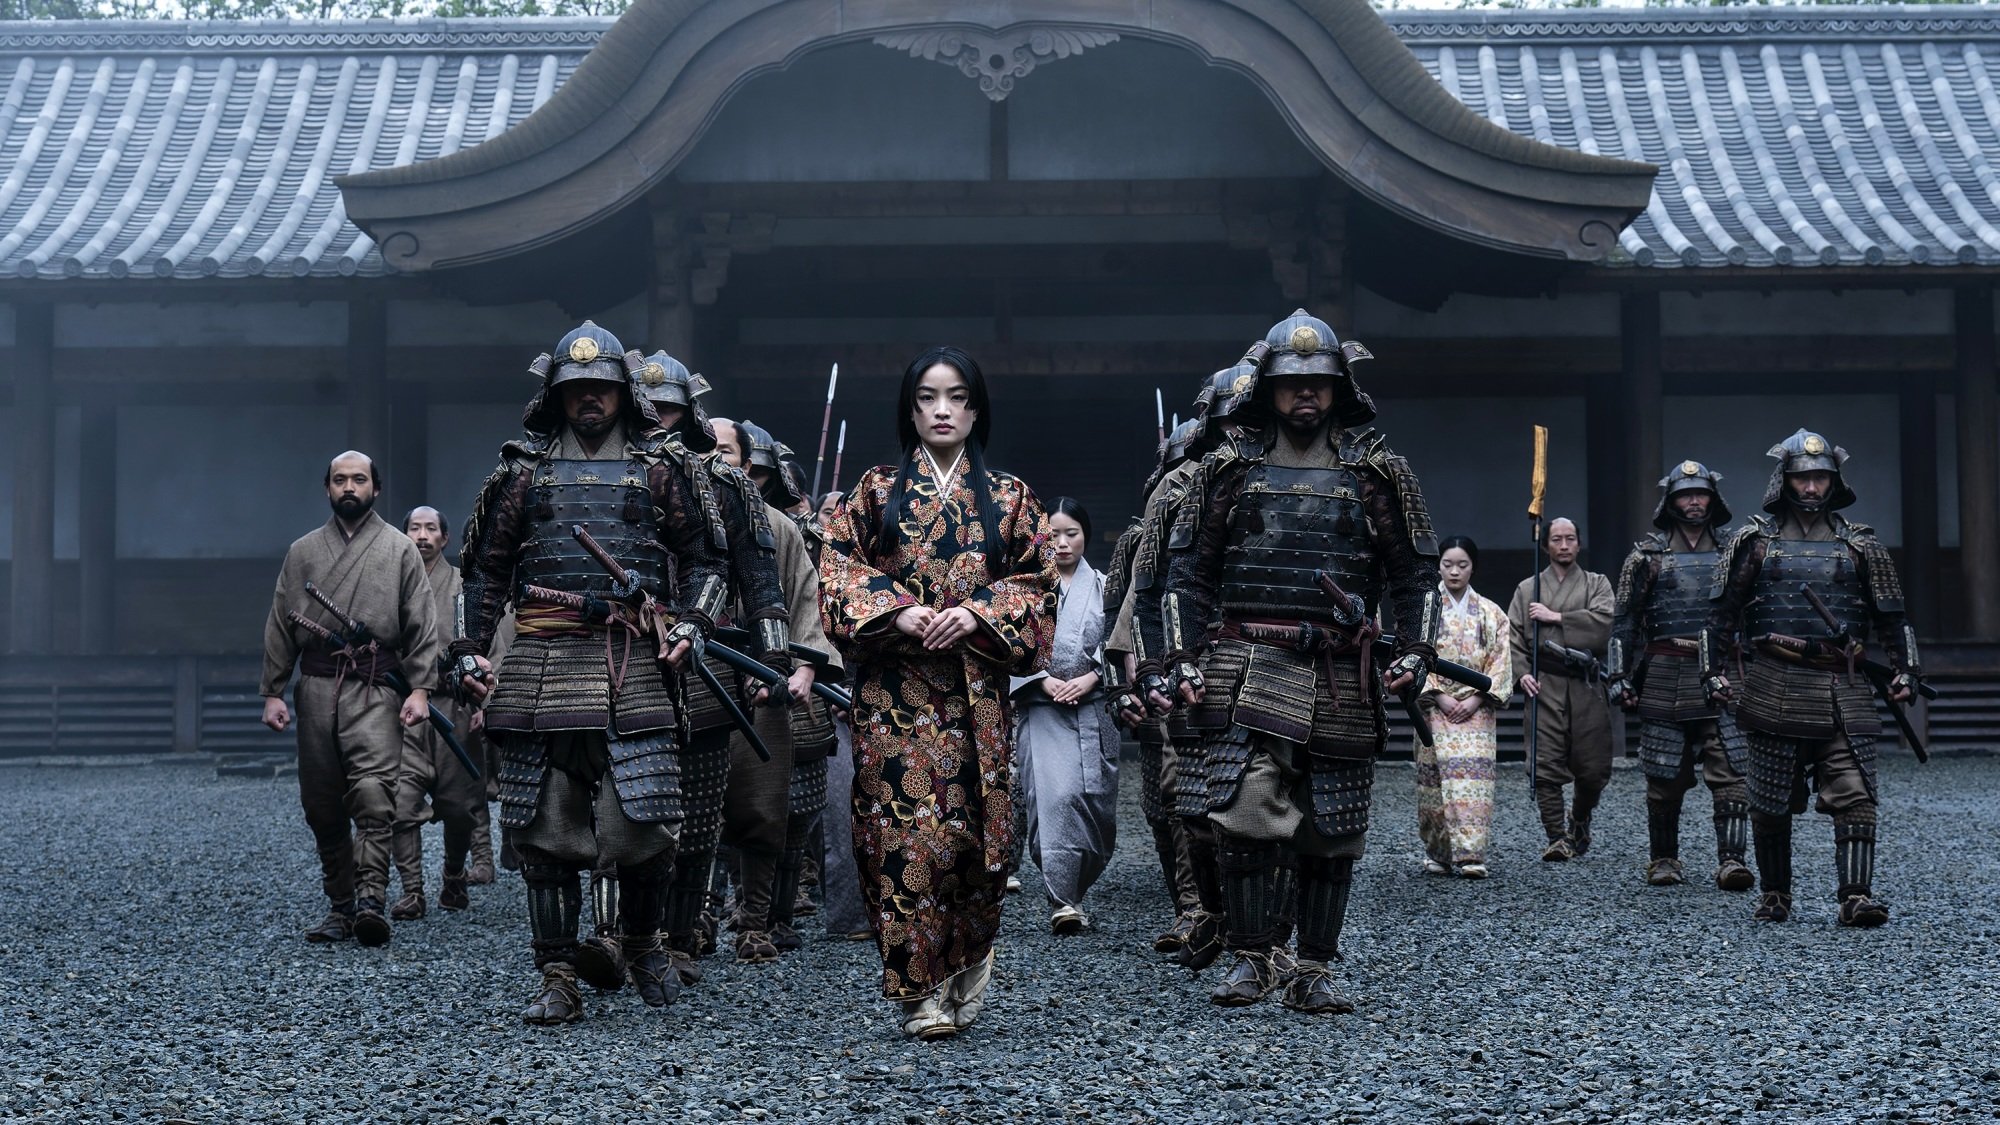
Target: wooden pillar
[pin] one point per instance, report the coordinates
(1916, 410)
(408, 458)
(1605, 465)
(1978, 463)
(1639, 338)
(97, 530)
(669, 295)
(33, 573)
(368, 379)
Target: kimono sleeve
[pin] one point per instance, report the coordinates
(856, 597)
(1015, 609)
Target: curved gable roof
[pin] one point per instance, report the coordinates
(1356, 96)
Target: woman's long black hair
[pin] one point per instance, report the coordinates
(975, 457)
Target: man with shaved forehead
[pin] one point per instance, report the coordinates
(351, 722)
(433, 785)
(1572, 713)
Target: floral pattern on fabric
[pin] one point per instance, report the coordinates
(1455, 777)
(933, 810)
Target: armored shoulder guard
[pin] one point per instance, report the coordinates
(725, 475)
(1118, 575)
(1725, 561)
(1370, 447)
(1628, 574)
(1182, 514)
(1885, 586)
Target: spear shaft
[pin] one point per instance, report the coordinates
(825, 423)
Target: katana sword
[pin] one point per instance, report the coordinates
(393, 678)
(1878, 674)
(807, 653)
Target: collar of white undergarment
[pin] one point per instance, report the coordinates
(944, 477)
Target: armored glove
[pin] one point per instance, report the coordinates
(1184, 675)
(1411, 663)
(1620, 690)
(1153, 682)
(1716, 690)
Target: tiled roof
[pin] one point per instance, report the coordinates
(1792, 137)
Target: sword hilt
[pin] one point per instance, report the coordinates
(624, 580)
(350, 624)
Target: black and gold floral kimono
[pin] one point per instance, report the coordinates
(933, 819)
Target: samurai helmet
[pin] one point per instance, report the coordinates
(762, 451)
(665, 381)
(1807, 452)
(586, 352)
(1690, 476)
(1303, 344)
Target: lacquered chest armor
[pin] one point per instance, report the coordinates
(1289, 523)
(1778, 606)
(612, 501)
(1679, 606)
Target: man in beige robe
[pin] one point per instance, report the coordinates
(350, 740)
(433, 784)
(1572, 712)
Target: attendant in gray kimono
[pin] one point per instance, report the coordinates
(1066, 740)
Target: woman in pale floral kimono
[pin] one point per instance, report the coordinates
(1455, 777)
(937, 584)
(1067, 741)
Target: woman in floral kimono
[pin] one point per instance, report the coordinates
(1455, 777)
(1068, 742)
(937, 584)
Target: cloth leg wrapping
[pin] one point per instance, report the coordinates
(1248, 867)
(555, 906)
(1324, 885)
(1773, 837)
(1549, 803)
(753, 893)
(1854, 856)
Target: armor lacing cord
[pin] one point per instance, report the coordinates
(341, 661)
(1311, 638)
(535, 619)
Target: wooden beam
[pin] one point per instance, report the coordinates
(97, 529)
(1978, 462)
(32, 574)
(1916, 413)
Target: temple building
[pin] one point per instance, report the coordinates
(229, 250)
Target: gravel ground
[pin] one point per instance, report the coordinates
(155, 973)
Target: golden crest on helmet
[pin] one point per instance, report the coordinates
(653, 374)
(1690, 469)
(1305, 339)
(1814, 445)
(583, 349)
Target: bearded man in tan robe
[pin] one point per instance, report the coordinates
(1572, 712)
(350, 721)
(433, 784)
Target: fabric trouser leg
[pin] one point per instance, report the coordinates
(1430, 804)
(356, 753)
(415, 783)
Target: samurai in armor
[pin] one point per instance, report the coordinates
(1169, 748)
(1656, 629)
(1806, 708)
(1292, 767)
(768, 808)
(752, 546)
(585, 706)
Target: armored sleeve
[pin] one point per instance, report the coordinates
(1885, 602)
(1194, 571)
(1628, 614)
(1735, 578)
(1150, 560)
(683, 529)
(752, 561)
(1410, 570)
(493, 537)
